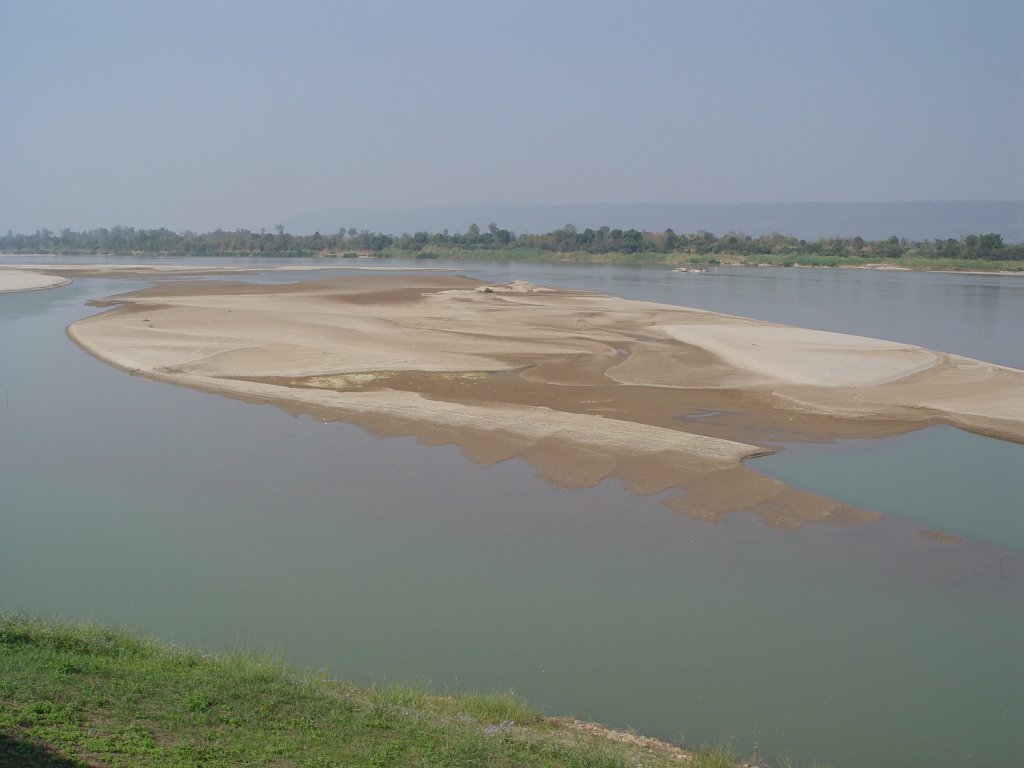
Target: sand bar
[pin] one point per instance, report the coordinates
(582, 386)
(163, 270)
(12, 280)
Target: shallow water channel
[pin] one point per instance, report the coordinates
(216, 523)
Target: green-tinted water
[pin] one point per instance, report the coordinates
(215, 523)
(940, 478)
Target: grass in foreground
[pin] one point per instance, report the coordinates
(88, 696)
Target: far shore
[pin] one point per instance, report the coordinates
(346, 259)
(582, 386)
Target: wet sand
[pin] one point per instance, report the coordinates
(582, 386)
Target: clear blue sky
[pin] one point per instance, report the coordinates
(242, 114)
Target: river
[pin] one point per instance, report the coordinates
(216, 523)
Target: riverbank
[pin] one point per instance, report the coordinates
(708, 261)
(582, 386)
(645, 259)
(604, 245)
(84, 695)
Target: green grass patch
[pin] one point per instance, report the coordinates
(84, 695)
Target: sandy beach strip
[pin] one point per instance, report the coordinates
(163, 270)
(582, 386)
(12, 280)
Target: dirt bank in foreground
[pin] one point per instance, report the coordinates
(582, 386)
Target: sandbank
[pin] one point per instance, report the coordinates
(582, 386)
(198, 270)
(12, 280)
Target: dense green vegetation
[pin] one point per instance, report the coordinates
(86, 695)
(985, 251)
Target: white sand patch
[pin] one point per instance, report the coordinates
(803, 356)
(12, 280)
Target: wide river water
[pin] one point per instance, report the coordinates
(215, 523)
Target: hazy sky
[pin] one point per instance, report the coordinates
(242, 114)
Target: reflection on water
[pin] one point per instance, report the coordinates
(216, 523)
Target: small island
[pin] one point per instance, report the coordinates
(580, 385)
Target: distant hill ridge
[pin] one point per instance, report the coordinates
(809, 221)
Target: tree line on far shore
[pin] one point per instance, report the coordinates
(566, 240)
